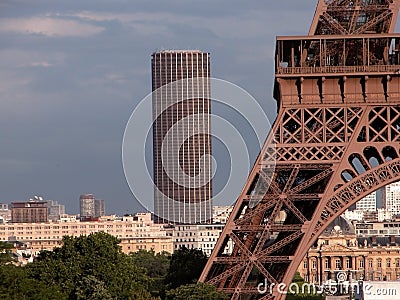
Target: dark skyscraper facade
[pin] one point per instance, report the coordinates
(181, 136)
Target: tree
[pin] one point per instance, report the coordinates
(94, 258)
(297, 277)
(185, 267)
(156, 265)
(90, 288)
(298, 281)
(5, 252)
(199, 291)
(16, 284)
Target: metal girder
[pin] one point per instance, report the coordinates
(374, 21)
(311, 181)
(239, 244)
(333, 23)
(275, 259)
(273, 227)
(294, 210)
(247, 290)
(278, 245)
(267, 275)
(230, 271)
(259, 209)
(364, 8)
(345, 17)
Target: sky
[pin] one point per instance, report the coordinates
(72, 73)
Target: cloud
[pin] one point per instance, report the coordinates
(142, 22)
(41, 64)
(116, 77)
(16, 57)
(48, 26)
(101, 16)
(248, 24)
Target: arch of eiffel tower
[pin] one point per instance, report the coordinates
(336, 136)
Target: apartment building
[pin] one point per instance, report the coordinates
(378, 228)
(221, 214)
(197, 236)
(135, 232)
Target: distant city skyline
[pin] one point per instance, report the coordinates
(71, 74)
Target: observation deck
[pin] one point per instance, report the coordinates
(337, 68)
(337, 55)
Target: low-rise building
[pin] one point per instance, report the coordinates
(135, 232)
(197, 236)
(389, 228)
(221, 214)
(378, 215)
(5, 213)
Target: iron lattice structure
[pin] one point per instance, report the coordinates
(337, 139)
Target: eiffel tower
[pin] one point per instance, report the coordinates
(336, 137)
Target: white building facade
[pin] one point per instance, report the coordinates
(197, 236)
(367, 203)
(392, 201)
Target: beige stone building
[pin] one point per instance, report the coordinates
(340, 253)
(135, 232)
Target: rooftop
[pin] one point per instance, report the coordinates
(177, 51)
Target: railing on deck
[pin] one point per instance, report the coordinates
(340, 69)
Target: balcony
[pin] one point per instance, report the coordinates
(339, 70)
(368, 54)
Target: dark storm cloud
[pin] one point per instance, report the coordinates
(72, 72)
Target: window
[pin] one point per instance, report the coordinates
(388, 263)
(314, 264)
(361, 263)
(338, 265)
(348, 263)
(379, 263)
(370, 262)
(397, 262)
(305, 265)
(327, 263)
